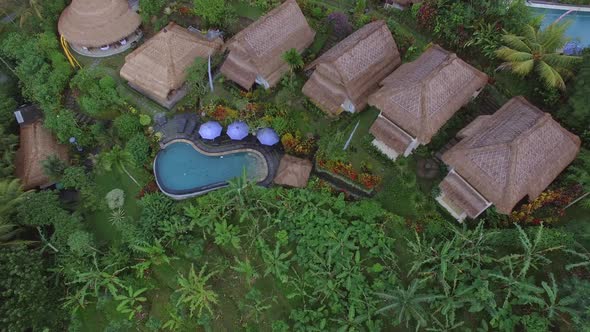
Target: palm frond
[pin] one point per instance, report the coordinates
(518, 57)
(516, 42)
(549, 75)
(559, 60)
(553, 37)
(529, 33)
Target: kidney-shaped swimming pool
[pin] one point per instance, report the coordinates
(183, 170)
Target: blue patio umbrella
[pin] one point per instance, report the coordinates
(237, 130)
(210, 130)
(267, 136)
(572, 48)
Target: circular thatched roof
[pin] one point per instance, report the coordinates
(95, 23)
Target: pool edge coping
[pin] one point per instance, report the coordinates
(564, 7)
(213, 186)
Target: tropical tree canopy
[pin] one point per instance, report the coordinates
(536, 50)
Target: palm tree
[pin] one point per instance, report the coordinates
(293, 59)
(33, 9)
(117, 157)
(537, 50)
(408, 303)
(11, 195)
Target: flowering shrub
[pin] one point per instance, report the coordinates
(545, 208)
(426, 15)
(149, 188)
(296, 145)
(340, 24)
(345, 169)
(221, 113)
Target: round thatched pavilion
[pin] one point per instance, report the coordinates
(99, 28)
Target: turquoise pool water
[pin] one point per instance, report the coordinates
(579, 29)
(180, 169)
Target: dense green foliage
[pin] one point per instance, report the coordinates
(28, 298)
(40, 66)
(138, 148)
(97, 92)
(108, 252)
(150, 8)
(214, 13)
(127, 125)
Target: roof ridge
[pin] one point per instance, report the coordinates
(375, 26)
(262, 19)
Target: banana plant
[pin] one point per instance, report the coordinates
(246, 268)
(132, 302)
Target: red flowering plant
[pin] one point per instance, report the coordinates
(221, 113)
(426, 16)
(296, 145)
(345, 169)
(547, 207)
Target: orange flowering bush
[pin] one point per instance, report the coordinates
(296, 145)
(345, 169)
(221, 113)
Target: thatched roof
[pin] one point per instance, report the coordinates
(460, 198)
(36, 145)
(422, 95)
(94, 23)
(159, 65)
(258, 49)
(390, 134)
(293, 171)
(516, 152)
(353, 68)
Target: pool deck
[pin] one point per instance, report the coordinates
(558, 6)
(185, 127)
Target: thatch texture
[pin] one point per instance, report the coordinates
(516, 152)
(158, 67)
(461, 197)
(36, 145)
(258, 49)
(422, 95)
(391, 135)
(94, 23)
(352, 69)
(293, 171)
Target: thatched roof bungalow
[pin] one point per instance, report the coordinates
(158, 67)
(99, 27)
(345, 75)
(36, 145)
(503, 158)
(293, 172)
(419, 97)
(256, 53)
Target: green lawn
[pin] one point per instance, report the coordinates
(99, 221)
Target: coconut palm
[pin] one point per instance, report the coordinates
(537, 50)
(117, 157)
(408, 304)
(11, 195)
(293, 59)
